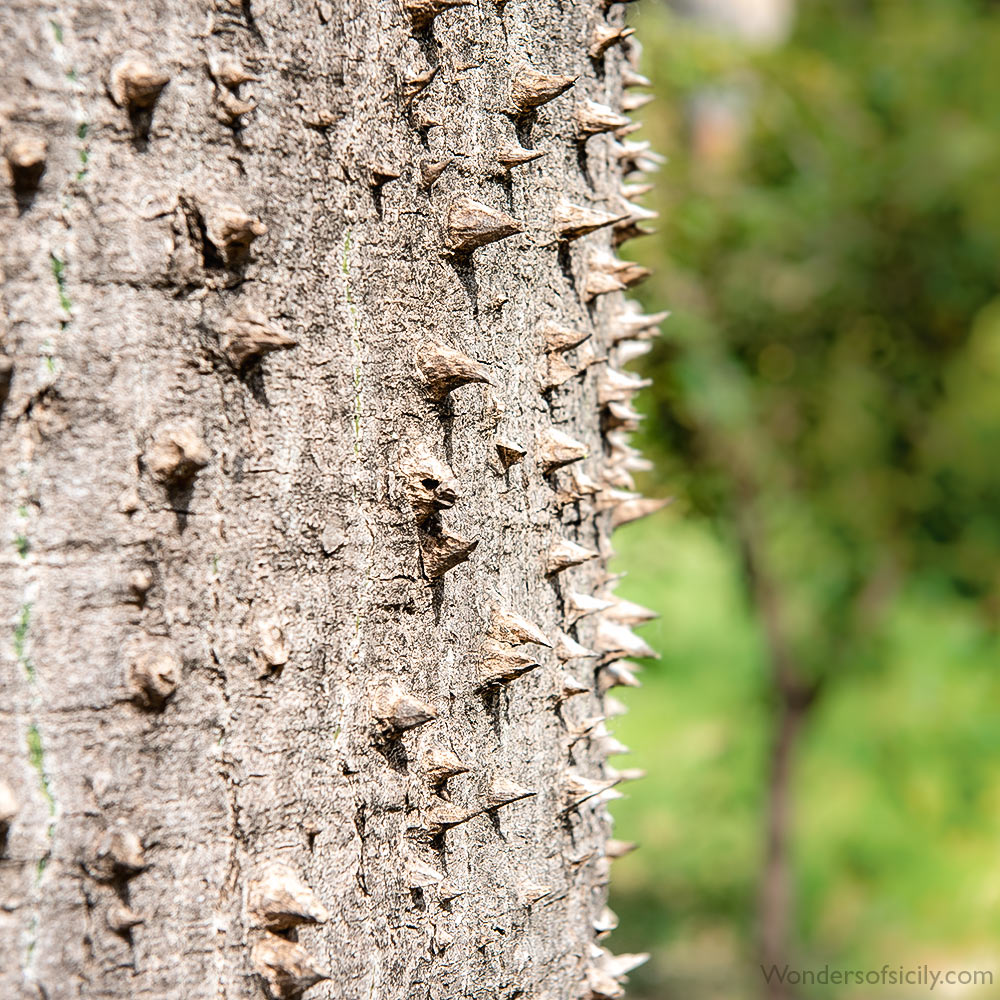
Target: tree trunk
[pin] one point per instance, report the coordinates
(305, 383)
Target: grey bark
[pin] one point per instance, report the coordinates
(266, 712)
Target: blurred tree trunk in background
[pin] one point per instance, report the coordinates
(306, 373)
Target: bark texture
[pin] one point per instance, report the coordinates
(306, 495)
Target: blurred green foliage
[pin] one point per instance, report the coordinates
(830, 245)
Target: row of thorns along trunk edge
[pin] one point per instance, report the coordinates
(278, 899)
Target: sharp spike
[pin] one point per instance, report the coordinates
(431, 170)
(630, 78)
(423, 12)
(503, 792)
(499, 664)
(619, 386)
(231, 231)
(630, 350)
(630, 325)
(515, 156)
(430, 485)
(618, 848)
(248, 335)
(395, 713)
(530, 89)
(554, 371)
(563, 554)
(415, 85)
(153, 678)
(506, 626)
(509, 454)
(561, 338)
(617, 641)
(581, 605)
(278, 899)
(440, 764)
(598, 282)
(633, 510)
(121, 918)
(632, 191)
(616, 674)
(605, 922)
(118, 854)
(573, 221)
(530, 893)
(632, 102)
(443, 552)
(622, 415)
(619, 966)
(230, 108)
(567, 648)
(592, 118)
(628, 613)
(577, 789)
(286, 966)
(602, 986)
(613, 707)
(472, 224)
(556, 449)
(26, 158)
(420, 875)
(444, 369)
(569, 687)
(604, 36)
(135, 83)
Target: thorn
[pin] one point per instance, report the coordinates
(561, 338)
(612, 747)
(135, 83)
(508, 453)
(423, 12)
(603, 986)
(613, 707)
(228, 71)
(515, 156)
(619, 386)
(530, 893)
(631, 325)
(431, 170)
(248, 335)
(554, 371)
(153, 678)
(632, 191)
(617, 641)
(599, 282)
(605, 922)
(429, 484)
(503, 792)
(505, 626)
(271, 644)
(625, 231)
(581, 605)
(121, 919)
(628, 613)
(604, 36)
(417, 84)
(420, 875)
(26, 158)
(569, 687)
(630, 78)
(278, 899)
(231, 231)
(630, 350)
(616, 674)
(445, 369)
(633, 510)
(286, 966)
(633, 102)
(472, 224)
(444, 552)
(176, 455)
(580, 485)
(638, 213)
(618, 848)
(396, 713)
(626, 773)
(619, 966)
(622, 415)
(567, 648)
(230, 107)
(381, 172)
(573, 221)
(556, 449)
(443, 816)
(577, 790)
(591, 728)
(440, 764)
(500, 664)
(117, 855)
(530, 89)
(563, 554)
(592, 118)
